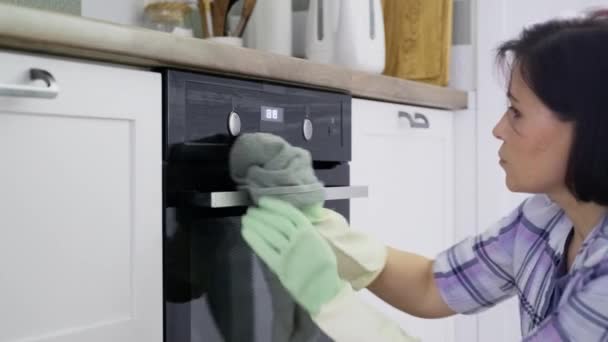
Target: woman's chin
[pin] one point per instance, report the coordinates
(520, 188)
(512, 185)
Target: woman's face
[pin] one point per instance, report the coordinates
(535, 144)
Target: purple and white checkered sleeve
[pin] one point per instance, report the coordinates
(477, 273)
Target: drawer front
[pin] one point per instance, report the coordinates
(387, 118)
(83, 88)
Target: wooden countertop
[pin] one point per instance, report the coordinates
(48, 32)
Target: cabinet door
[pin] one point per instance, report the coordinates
(80, 203)
(407, 161)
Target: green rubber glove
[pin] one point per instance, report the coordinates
(286, 241)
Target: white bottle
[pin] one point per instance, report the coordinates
(269, 27)
(321, 26)
(360, 36)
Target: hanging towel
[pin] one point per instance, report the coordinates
(264, 164)
(418, 37)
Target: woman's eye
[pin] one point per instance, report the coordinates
(514, 112)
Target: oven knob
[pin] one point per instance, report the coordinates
(234, 124)
(307, 129)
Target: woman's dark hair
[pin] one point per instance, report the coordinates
(565, 63)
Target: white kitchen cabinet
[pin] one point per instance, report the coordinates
(80, 203)
(409, 170)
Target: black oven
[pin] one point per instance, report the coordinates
(215, 289)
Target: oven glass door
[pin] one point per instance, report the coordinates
(216, 289)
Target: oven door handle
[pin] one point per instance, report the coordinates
(345, 192)
(229, 199)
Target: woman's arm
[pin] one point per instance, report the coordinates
(470, 276)
(407, 283)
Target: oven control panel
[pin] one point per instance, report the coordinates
(204, 109)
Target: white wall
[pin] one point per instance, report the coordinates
(465, 194)
(498, 20)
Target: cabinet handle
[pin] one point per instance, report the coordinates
(419, 120)
(50, 92)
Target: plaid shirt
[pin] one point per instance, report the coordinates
(519, 256)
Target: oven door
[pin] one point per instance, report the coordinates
(216, 289)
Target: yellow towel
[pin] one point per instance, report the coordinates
(418, 39)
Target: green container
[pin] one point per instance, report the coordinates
(64, 6)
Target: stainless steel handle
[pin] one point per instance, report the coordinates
(372, 20)
(346, 192)
(50, 92)
(419, 120)
(229, 199)
(320, 20)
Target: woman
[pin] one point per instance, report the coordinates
(551, 251)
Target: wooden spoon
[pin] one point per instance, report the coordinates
(203, 7)
(219, 8)
(248, 6)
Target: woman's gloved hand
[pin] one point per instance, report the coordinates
(360, 257)
(284, 238)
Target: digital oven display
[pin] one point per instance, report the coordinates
(272, 114)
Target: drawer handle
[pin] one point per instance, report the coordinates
(50, 92)
(419, 120)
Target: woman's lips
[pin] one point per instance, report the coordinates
(501, 160)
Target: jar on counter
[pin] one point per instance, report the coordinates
(169, 16)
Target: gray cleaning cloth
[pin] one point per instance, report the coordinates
(266, 165)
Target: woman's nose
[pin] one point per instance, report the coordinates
(497, 131)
